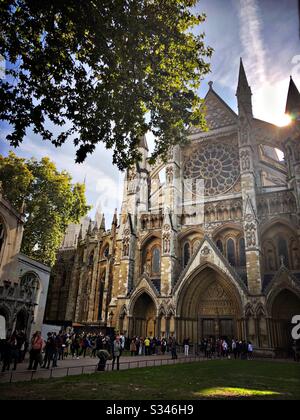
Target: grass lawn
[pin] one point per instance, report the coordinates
(206, 380)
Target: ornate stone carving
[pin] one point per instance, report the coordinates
(244, 131)
(169, 175)
(126, 243)
(131, 180)
(282, 202)
(205, 251)
(216, 301)
(217, 164)
(167, 239)
(250, 230)
(245, 160)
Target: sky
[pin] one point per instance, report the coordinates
(265, 33)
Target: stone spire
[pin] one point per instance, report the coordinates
(90, 229)
(244, 93)
(293, 100)
(115, 218)
(102, 225)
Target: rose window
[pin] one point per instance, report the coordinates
(217, 165)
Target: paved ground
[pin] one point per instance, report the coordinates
(88, 365)
(71, 367)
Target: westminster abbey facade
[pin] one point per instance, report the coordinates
(206, 245)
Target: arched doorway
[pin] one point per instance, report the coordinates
(285, 306)
(144, 316)
(22, 321)
(2, 327)
(209, 307)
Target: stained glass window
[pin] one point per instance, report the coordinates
(283, 251)
(231, 252)
(217, 164)
(242, 252)
(156, 261)
(186, 254)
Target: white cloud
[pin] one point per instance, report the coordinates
(266, 76)
(252, 40)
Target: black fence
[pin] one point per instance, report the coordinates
(56, 373)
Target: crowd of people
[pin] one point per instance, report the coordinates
(150, 346)
(222, 348)
(59, 346)
(13, 350)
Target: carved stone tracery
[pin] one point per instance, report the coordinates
(217, 164)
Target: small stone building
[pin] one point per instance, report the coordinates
(23, 281)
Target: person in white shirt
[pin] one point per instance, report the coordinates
(250, 351)
(122, 341)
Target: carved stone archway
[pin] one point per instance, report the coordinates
(144, 316)
(6, 319)
(285, 306)
(210, 306)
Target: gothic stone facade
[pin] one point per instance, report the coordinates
(207, 244)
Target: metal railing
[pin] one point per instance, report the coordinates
(56, 373)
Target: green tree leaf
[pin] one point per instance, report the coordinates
(51, 203)
(111, 69)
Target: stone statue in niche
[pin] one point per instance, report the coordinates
(245, 158)
(296, 259)
(250, 230)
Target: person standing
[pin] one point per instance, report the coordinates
(147, 346)
(37, 344)
(186, 344)
(15, 354)
(123, 342)
(133, 348)
(22, 345)
(250, 351)
(50, 349)
(163, 346)
(173, 346)
(234, 349)
(5, 355)
(116, 352)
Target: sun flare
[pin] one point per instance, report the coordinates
(284, 120)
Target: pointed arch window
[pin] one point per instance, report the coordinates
(242, 252)
(156, 261)
(186, 254)
(91, 258)
(101, 295)
(231, 255)
(106, 252)
(283, 251)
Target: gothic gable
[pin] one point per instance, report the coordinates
(146, 284)
(218, 113)
(208, 254)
